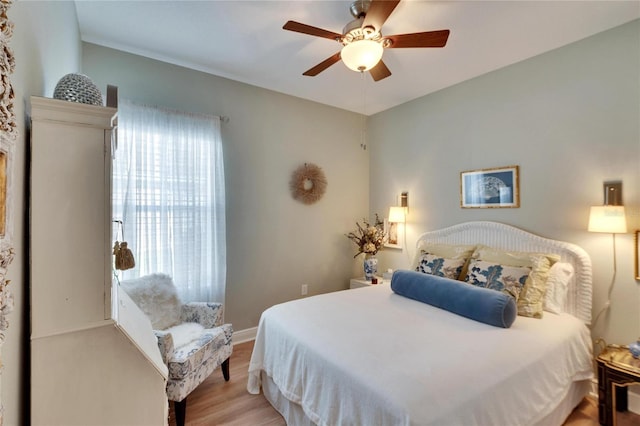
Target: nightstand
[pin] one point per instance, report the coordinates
(616, 366)
(361, 282)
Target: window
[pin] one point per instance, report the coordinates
(168, 189)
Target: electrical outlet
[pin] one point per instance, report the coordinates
(304, 290)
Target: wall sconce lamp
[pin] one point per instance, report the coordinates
(397, 214)
(609, 218)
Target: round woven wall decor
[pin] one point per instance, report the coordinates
(308, 183)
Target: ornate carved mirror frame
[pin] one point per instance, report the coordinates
(8, 136)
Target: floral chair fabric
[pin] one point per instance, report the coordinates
(190, 364)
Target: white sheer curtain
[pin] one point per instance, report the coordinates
(168, 189)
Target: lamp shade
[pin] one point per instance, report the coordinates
(396, 214)
(361, 55)
(609, 219)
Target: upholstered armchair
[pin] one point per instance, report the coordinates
(192, 338)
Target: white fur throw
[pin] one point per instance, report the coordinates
(157, 297)
(185, 333)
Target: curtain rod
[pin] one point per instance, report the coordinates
(112, 101)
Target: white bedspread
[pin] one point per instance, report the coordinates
(371, 357)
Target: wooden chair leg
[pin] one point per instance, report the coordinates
(180, 410)
(225, 369)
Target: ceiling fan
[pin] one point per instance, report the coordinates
(362, 40)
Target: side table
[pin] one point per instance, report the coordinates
(616, 366)
(362, 282)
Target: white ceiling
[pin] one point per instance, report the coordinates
(244, 41)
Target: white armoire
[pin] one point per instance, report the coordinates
(94, 357)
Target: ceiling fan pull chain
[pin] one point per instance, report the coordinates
(363, 141)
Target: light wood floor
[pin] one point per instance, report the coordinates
(216, 402)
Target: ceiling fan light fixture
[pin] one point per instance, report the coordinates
(362, 55)
(362, 39)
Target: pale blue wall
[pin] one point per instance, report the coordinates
(569, 118)
(274, 244)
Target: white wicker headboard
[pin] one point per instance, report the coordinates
(506, 237)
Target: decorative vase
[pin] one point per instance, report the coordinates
(78, 88)
(370, 266)
(634, 348)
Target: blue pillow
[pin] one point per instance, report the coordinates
(477, 303)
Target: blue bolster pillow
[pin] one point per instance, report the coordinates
(481, 304)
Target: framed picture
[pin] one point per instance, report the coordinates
(490, 188)
(636, 260)
(391, 230)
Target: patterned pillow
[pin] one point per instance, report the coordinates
(506, 279)
(455, 252)
(530, 302)
(440, 266)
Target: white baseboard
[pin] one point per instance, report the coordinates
(633, 397)
(246, 335)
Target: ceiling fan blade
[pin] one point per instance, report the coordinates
(380, 71)
(378, 12)
(312, 72)
(426, 39)
(308, 29)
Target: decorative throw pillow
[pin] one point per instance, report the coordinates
(157, 297)
(185, 333)
(451, 252)
(557, 287)
(479, 304)
(506, 279)
(530, 302)
(440, 266)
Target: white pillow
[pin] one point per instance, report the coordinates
(557, 286)
(157, 297)
(185, 333)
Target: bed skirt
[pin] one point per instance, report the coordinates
(294, 414)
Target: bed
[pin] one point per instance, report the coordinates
(369, 356)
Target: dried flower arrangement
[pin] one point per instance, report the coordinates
(369, 238)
